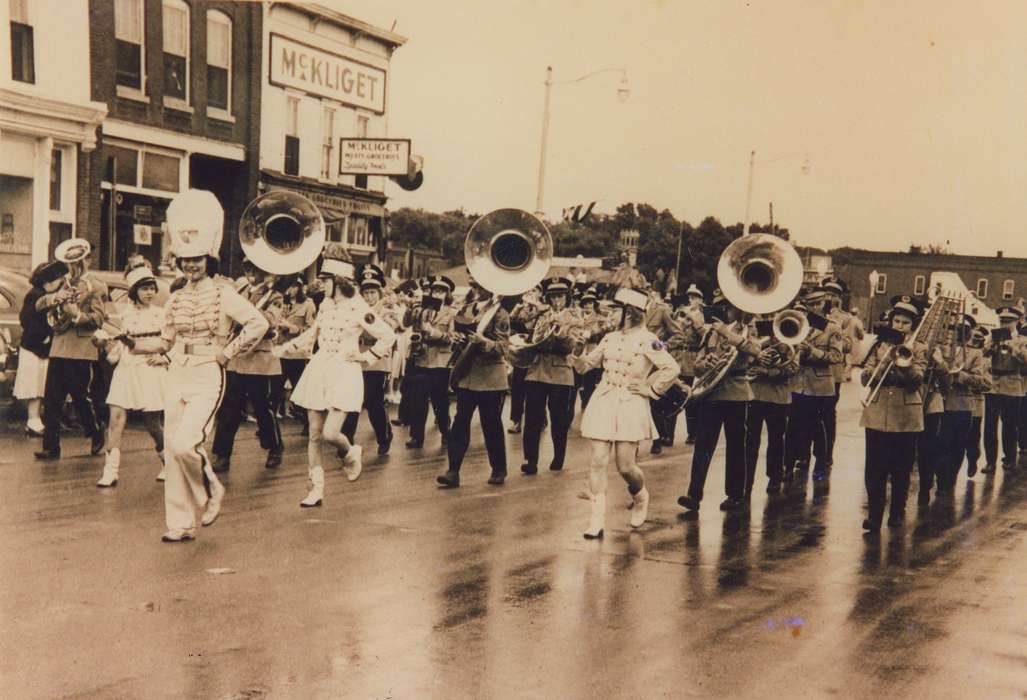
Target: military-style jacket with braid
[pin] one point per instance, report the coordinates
(899, 405)
(259, 360)
(818, 373)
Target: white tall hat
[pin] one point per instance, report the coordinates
(195, 223)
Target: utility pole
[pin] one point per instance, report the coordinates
(545, 135)
(677, 265)
(748, 195)
(771, 217)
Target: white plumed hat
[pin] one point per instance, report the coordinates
(195, 223)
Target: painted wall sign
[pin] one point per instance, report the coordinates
(325, 74)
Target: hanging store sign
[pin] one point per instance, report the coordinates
(374, 156)
(318, 72)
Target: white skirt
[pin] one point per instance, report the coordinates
(30, 381)
(137, 386)
(329, 382)
(616, 415)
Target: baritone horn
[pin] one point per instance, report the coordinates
(282, 232)
(759, 273)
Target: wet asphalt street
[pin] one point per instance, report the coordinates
(394, 589)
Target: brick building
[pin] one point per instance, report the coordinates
(995, 281)
(325, 77)
(181, 80)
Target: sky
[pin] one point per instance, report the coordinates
(910, 116)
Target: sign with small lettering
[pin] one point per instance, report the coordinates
(374, 156)
(325, 74)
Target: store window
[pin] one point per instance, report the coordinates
(122, 165)
(56, 158)
(882, 283)
(128, 38)
(176, 49)
(23, 61)
(982, 288)
(1008, 289)
(219, 60)
(292, 135)
(327, 135)
(160, 172)
(358, 231)
(919, 285)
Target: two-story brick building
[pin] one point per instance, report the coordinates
(325, 77)
(181, 79)
(995, 281)
(48, 126)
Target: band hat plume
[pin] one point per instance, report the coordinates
(631, 297)
(73, 250)
(195, 223)
(337, 268)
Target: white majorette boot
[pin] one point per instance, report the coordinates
(596, 522)
(640, 508)
(213, 509)
(110, 469)
(317, 488)
(160, 476)
(353, 465)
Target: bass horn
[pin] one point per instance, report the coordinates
(759, 273)
(282, 232)
(507, 252)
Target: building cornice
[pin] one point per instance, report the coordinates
(174, 140)
(320, 11)
(39, 115)
(922, 260)
(273, 177)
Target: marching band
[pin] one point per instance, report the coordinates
(759, 355)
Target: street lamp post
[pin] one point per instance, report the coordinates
(623, 92)
(752, 167)
(874, 276)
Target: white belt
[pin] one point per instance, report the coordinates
(198, 349)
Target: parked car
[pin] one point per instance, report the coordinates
(118, 287)
(13, 288)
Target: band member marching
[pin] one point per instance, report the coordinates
(595, 325)
(298, 313)
(636, 368)
(659, 319)
(824, 442)
(36, 339)
(685, 346)
(522, 320)
(198, 320)
(482, 387)
(549, 382)
(978, 340)
(893, 418)
(376, 374)
(76, 311)
(251, 377)
(140, 372)
(332, 384)
(430, 378)
(1008, 354)
(725, 405)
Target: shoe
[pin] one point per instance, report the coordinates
(640, 508)
(802, 466)
(353, 462)
(160, 476)
(449, 480)
(690, 440)
(688, 503)
(656, 448)
(497, 479)
(529, 469)
(397, 422)
(220, 465)
(667, 442)
(597, 518)
(515, 428)
(731, 504)
(820, 475)
(48, 455)
(274, 459)
(1008, 466)
(213, 509)
(305, 432)
(413, 444)
(554, 467)
(317, 488)
(109, 477)
(989, 468)
(773, 486)
(870, 527)
(971, 470)
(383, 447)
(896, 521)
(178, 536)
(32, 431)
(445, 439)
(97, 445)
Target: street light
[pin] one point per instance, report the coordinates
(874, 276)
(804, 169)
(623, 93)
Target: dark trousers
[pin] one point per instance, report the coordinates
(589, 381)
(1022, 425)
(823, 436)
(888, 455)
(66, 377)
(973, 442)
(955, 430)
(239, 388)
(489, 405)
(99, 386)
(1006, 408)
(429, 385)
(538, 397)
(691, 411)
(665, 425)
(406, 392)
(375, 384)
(929, 453)
(712, 416)
(807, 414)
(775, 416)
(292, 370)
(517, 379)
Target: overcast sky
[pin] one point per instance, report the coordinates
(913, 114)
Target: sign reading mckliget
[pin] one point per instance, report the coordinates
(374, 156)
(319, 72)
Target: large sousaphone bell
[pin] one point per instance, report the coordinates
(759, 273)
(282, 232)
